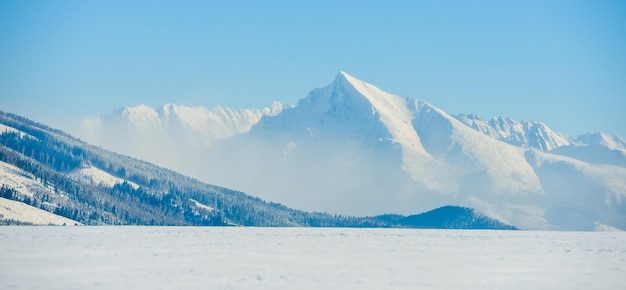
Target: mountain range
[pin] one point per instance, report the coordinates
(48, 177)
(350, 148)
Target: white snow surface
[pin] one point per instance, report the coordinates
(5, 128)
(203, 206)
(15, 210)
(611, 141)
(582, 195)
(164, 135)
(26, 184)
(396, 116)
(470, 154)
(21, 181)
(394, 113)
(93, 175)
(307, 258)
(524, 134)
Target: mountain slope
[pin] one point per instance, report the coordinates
(128, 129)
(525, 134)
(18, 213)
(596, 148)
(48, 176)
(581, 196)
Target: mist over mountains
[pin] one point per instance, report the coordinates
(351, 148)
(48, 177)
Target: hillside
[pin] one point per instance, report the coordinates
(48, 172)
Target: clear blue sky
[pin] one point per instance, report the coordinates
(559, 62)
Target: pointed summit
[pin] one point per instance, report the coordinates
(382, 102)
(342, 80)
(396, 116)
(366, 89)
(343, 75)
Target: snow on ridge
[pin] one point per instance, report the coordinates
(448, 137)
(273, 109)
(141, 116)
(93, 175)
(26, 184)
(5, 128)
(599, 227)
(611, 141)
(394, 113)
(525, 134)
(18, 211)
(200, 205)
(596, 148)
(198, 122)
(16, 178)
(191, 118)
(596, 189)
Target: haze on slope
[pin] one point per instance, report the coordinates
(172, 135)
(592, 147)
(351, 148)
(525, 134)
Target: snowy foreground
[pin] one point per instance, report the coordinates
(307, 258)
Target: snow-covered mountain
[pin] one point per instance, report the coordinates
(593, 147)
(596, 148)
(50, 177)
(170, 129)
(525, 134)
(352, 148)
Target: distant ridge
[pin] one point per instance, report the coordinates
(448, 217)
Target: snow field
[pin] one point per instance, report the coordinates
(307, 258)
(18, 211)
(96, 176)
(23, 182)
(4, 128)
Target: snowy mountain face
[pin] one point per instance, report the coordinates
(525, 134)
(596, 148)
(351, 148)
(611, 141)
(169, 130)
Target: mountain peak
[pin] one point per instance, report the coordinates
(345, 78)
(142, 116)
(342, 79)
(394, 112)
